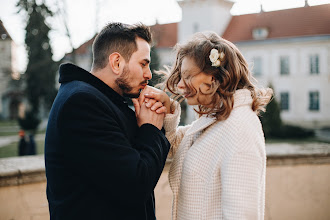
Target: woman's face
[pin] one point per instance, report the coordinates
(199, 80)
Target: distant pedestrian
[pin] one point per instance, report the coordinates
(22, 144)
(32, 147)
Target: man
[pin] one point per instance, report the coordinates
(102, 159)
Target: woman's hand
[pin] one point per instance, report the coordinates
(154, 99)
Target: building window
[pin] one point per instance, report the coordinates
(314, 64)
(257, 66)
(285, 65)
(284, 101)
(3, 36)
(260, 33)
(314, 101)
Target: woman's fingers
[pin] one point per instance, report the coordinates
(150, 102)
(147, 89)
(154, 95)
(159, 96)
(161, 110)
(156, 106)
(151, 93)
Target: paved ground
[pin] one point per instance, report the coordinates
(7, 140)
(163, 196)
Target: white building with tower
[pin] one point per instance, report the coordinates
(289, 49)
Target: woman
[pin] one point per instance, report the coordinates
(219, 161)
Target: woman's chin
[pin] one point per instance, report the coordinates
(191, 101)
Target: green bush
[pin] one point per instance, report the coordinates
(290, 131)
(271, 120)
(274, 128)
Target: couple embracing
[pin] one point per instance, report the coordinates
(103, 160)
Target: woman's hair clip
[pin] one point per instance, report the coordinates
(216, 58)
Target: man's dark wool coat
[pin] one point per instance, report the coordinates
(99, 163)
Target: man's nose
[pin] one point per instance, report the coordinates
(148, 74)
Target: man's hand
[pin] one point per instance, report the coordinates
(154, 97)
(146, 115)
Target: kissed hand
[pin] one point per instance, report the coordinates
(154, 98)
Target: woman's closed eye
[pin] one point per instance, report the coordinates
(185, 77)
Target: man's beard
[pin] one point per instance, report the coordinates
(123, 83)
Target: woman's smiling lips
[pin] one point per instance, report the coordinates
(187, 95)
(184, 93)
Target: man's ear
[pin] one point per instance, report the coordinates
(115, 62)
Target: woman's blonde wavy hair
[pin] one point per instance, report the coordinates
(231, 75)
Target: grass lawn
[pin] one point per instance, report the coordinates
(12, 133)
(11, 150)
(8, 123)
(10, 128)
(8, 133)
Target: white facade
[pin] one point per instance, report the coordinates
(166, 56)
(307, 90)
(203, 15)
(7, 71)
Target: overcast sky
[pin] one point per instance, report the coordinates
(82, 19)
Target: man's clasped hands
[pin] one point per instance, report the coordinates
(151, 106)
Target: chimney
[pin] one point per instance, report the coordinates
(261, 8)
(306, 3)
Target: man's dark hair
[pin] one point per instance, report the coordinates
(117, 37)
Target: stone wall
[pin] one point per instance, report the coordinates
(23, 188)
(297, 185)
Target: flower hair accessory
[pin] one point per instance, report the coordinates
(216, 58)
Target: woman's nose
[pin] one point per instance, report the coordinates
(181, 84)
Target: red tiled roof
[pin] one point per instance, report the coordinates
(4, 31)
(296, 22)
(165, 35)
